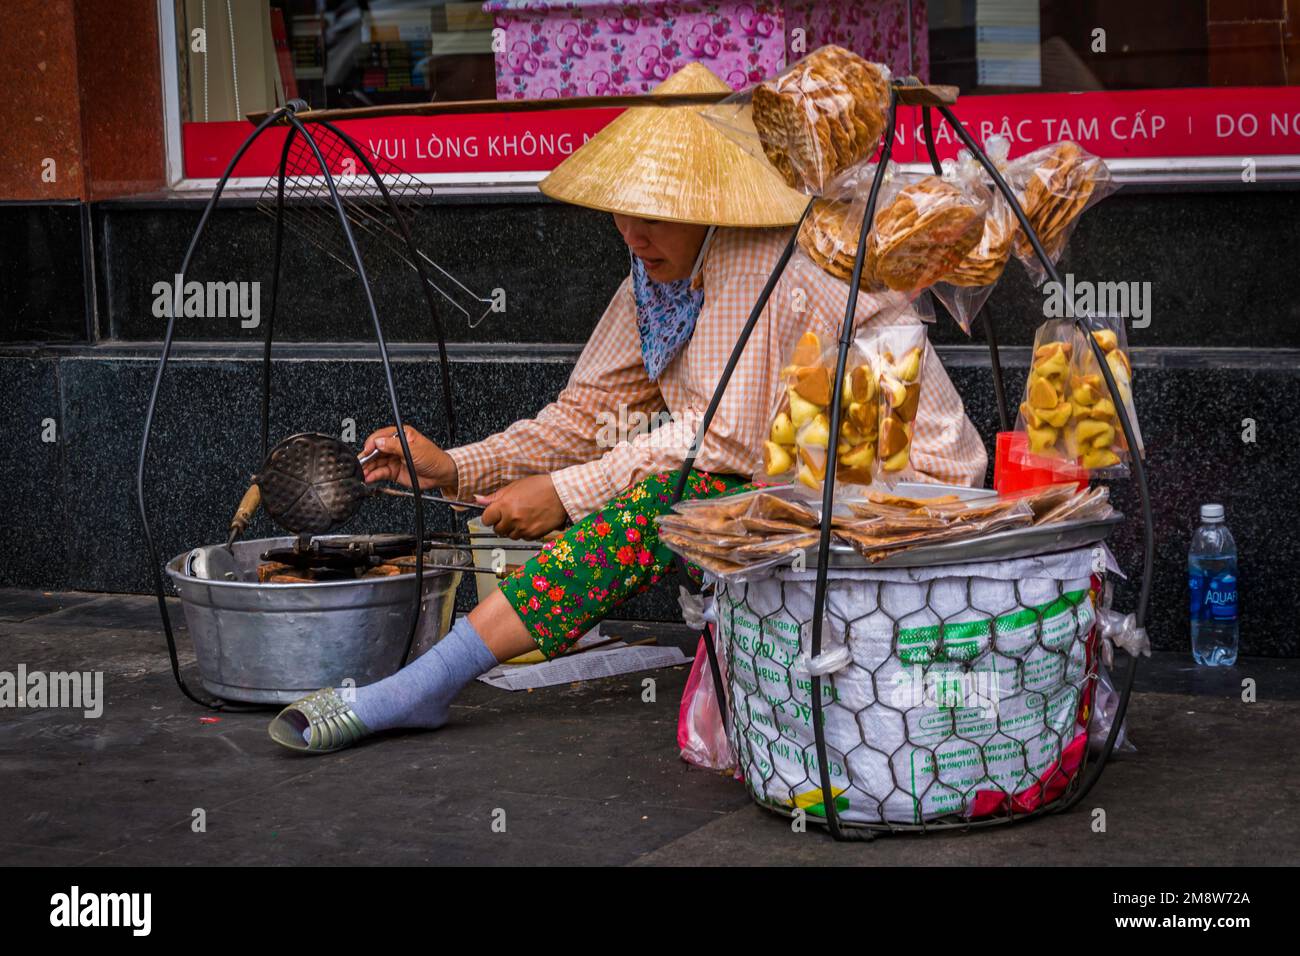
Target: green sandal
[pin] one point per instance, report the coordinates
(334, 725)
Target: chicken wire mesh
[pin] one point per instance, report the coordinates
(948, 698)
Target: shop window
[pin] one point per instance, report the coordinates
(237, 57)
(999, 46)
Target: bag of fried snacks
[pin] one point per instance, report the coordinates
(1054, 185)
(1093, 435)
(828, 240)
(702, 522)
(878, 539)
(897, 356)
(800, 431)
(923, 229)
(966, 288)
(1094, 503)
(1046, 407)
(819, 117)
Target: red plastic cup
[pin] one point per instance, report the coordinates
(1014, 469)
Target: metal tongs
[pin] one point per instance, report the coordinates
(355, 551)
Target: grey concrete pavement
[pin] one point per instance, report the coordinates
(585, 774)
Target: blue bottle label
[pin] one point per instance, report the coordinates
(1196, 582)
(1221, 598)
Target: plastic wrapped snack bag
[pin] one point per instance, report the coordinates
(923, 228)
(800, 431)
(1055, 185)
(897, 355)
(821, 116)
(1067, 412)
(1046, 408)
(855, 450)
(828, 238)
(966, 288)
(1093, 436)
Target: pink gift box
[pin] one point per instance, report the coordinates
(561, 48)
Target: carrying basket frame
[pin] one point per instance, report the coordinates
(910, 91)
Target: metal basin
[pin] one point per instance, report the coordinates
(273, 643)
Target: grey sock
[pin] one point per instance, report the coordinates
(419, 694)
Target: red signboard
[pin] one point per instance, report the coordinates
(474, 143)
(1128, 124)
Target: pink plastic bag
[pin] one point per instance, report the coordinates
(700, 733)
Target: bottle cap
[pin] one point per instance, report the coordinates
(1211, 512)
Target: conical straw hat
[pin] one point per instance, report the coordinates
(669, 162)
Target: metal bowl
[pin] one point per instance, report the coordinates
(273, 643)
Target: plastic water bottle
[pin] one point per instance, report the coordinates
(1212, 583)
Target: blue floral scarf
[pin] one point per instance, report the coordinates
(665, 314)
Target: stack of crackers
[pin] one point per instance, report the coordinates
(983, 265)
(1056, 190)
(728, 535)
(887, 524)
(928, 228)
(823, 116)
(829, 237)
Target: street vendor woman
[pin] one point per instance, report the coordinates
(705, 223)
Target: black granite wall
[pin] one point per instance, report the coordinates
(1223, 345)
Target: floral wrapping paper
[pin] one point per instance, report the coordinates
(564, 48)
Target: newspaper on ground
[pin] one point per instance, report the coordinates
(609, 661)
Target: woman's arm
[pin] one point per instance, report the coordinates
(609, 374)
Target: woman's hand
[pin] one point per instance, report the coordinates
(433, 466)
(527, 508)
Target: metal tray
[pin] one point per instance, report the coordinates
(999, 546)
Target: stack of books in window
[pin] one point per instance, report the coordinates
(394, 67)
(308, 48)
(394, 54)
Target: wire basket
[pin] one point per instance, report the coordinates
(949, 694)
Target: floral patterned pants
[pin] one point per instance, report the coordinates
(603, 560)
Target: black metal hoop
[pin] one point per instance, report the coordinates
(732, 361)
(286, 114)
